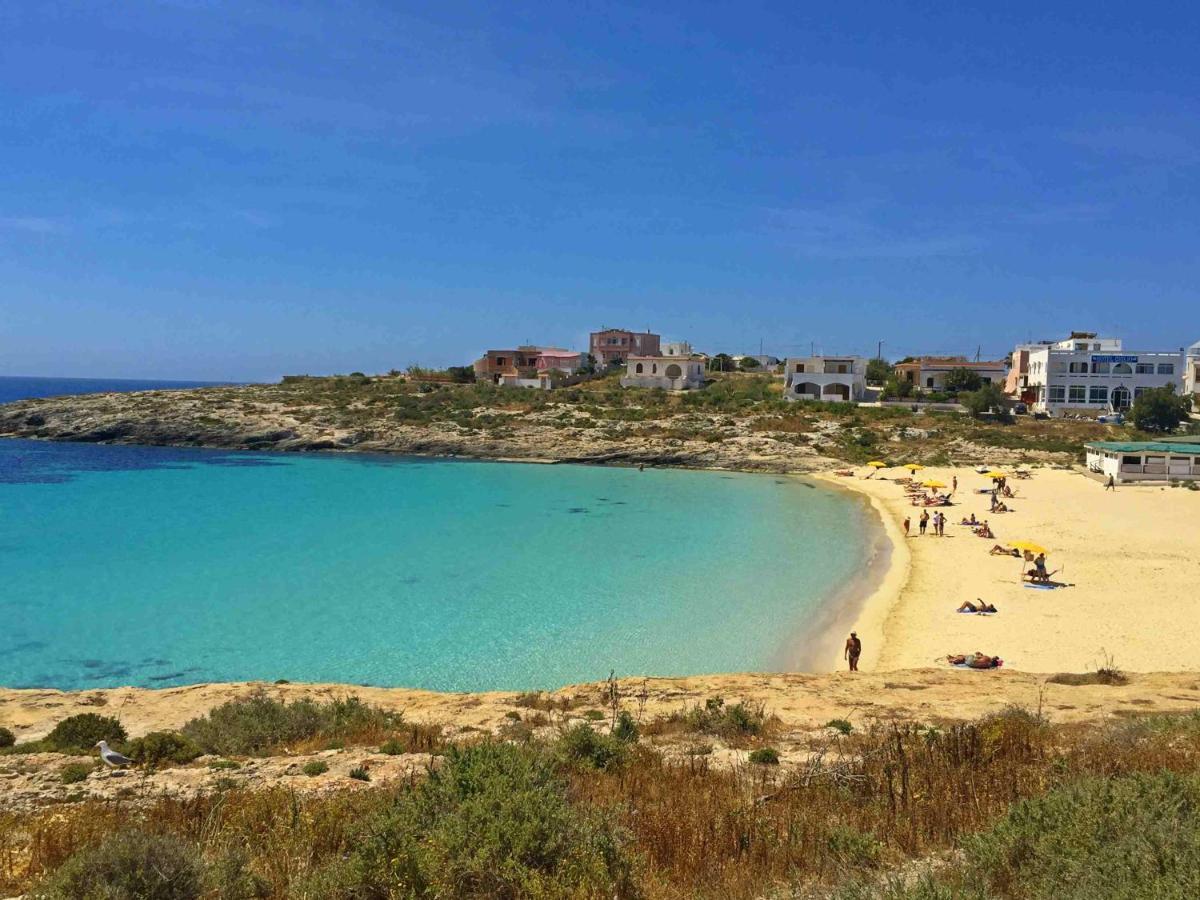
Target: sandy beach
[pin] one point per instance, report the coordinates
(1130, 561)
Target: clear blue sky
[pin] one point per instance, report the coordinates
(239, 190)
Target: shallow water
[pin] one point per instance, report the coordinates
(157, 566)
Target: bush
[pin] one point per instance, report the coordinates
(842, 726)
(7, 738)
(83, 732)
(159, 748)
(730, 722)
(127, 866)
(583, 745)
(1122, 837)
(255, 724)
(315, 767)
(393, 747)
(765, 756)
(626, 729)
(493, 822)
(359, 773)
(73, 773)
(1160, 409)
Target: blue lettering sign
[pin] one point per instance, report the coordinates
(1114, 359)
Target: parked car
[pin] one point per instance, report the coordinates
(1111, 419)
(1020, 409)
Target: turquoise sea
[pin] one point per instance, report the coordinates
(158, 566)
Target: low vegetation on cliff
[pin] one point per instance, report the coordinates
(738, 421)
(1009, 806)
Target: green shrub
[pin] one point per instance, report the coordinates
(7, 738)
(128, 865)
(842, 726)
(83, 732)
(739, 720)
(315, 767)
(73, 773)
(626, 729)
(392, 747)
(583, 745)
(765, 756)
(360, 773)
(255, 724)
(494, 821)
(159, 748)
(853, 848)
(594, 715)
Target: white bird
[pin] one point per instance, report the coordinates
(112, 758)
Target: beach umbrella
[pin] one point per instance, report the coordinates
(995, 473)
(912, 467)
(1031, 546)
(933, 484)
(876, 464)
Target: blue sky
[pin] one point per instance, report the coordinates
(238, 190)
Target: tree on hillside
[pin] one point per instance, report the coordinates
(1160, 409)
(588, 367)
(878, 370)
(962, 379)
(722, 362)
(748, 363)
(984, 400)
(461, 374)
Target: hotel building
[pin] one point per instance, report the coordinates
(1089, 374)
(826, 378)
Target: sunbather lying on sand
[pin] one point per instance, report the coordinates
(974, 660)
(971, 521)
(1001, 550)
(984, 530)
(977, 607)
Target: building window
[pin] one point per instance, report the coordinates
(1100, 368)
(799, 367)
(1145, 368)
(673, 371)
(1138, 391)
(1078, 393)
(1057, 366)
(928, 382)
(1166, 368)
(1058, 394)
(1078, 368)
(1122, 369)
(654, 369)
(639, 369)
(1098, 395)
(1131, 460)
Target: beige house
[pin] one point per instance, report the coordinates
(668, 372)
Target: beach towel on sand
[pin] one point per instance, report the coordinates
(1042, 587)
(967, 612)
(998, 664)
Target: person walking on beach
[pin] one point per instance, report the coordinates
(924, 522)
(853, 651)
(1111, 484)
(954, 484)
(907, 525)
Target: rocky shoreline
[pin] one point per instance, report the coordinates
(252, 418)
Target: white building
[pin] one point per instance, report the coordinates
(1089, 374)
(1191, 378)
(671, 373)
(828, 378)
(677, 348)
(1145, 460)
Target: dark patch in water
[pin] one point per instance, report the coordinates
(24, 646)
(240, 462)
(578, 509)
(155, 661)
(111, 672)
(504, 505)
(410, 579)
(166, 677)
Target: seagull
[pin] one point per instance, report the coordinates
(112, 758)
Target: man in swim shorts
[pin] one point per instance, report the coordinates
(853, 651)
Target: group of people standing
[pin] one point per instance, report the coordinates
(938, 520)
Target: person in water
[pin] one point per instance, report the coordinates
(853, 651)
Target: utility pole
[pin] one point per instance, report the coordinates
(879, 350)
(978, 350)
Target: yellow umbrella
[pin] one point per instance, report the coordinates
(933, 484)
(995, 474)
(876, 464)
(1030, 546)
(912, 467)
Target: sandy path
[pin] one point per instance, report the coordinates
(1131, 558)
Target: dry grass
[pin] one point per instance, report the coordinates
(860, 803)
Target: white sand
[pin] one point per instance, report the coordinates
(1131, 559)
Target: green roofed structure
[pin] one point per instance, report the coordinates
(1131, 461)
